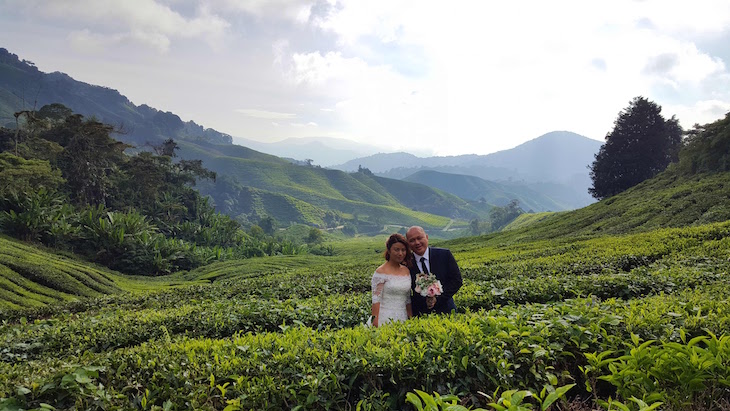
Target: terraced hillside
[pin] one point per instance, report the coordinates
(35, 278)
(259, 185)
(669, 200)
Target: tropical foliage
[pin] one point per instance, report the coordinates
(65, 182)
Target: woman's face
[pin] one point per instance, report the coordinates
(398, 252)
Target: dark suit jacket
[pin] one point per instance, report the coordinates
(444, 266)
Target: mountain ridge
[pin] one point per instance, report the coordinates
(140, 125)
(494, 193)
(554, 165)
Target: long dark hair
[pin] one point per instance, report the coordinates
(398, 238)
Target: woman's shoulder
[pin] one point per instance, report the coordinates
(386, 271)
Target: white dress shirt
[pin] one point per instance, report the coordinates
(427, 260)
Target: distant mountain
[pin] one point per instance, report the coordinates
(554, 165)
(556, 156)
(323, 151)
(384, 162)
(478, 189)
(24, 87)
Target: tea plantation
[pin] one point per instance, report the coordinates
(630, 321)
(622, 305)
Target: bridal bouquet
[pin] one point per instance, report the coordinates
(428, 286)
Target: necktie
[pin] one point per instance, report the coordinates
(423, 265)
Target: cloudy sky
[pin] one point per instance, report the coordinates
(441, 77)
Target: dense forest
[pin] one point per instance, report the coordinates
(67, 183)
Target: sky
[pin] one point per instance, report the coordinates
(438, 77)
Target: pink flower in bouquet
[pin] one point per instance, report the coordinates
(434, 289)
(428, 286)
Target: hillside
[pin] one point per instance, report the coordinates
(498, 194)
(668, 200)
(31, 277)
(692, 192)
(256, 185)
(24, 87)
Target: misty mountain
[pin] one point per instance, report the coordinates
(24, 87)
(385, 162)
(477, 189)
(556, 156)
(554, 165)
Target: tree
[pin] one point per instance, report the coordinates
(641, 145)
(314, 237)
(268, 224)
(89, 159)
(167, 148)
(474, 226)
(499, 217)
(707, 149)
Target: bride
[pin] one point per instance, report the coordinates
(391, 283)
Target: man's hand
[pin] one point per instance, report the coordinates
(430, 302)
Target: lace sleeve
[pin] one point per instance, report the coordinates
(378, 283)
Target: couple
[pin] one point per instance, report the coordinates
(394, 283)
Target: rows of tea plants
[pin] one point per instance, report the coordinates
(522, 346)
(277, 333)
(627, 266)
(265, 304)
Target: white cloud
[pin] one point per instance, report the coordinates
(108, 22)
(255, 113)
(309, 124)
(700, 112)
(87, 42)
(459, 76)
(293, 10)
(540, 65)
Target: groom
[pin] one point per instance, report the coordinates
(442, 264)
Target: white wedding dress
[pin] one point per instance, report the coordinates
(393, 292)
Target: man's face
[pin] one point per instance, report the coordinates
(418, 240)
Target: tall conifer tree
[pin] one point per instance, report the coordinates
(641, 145)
